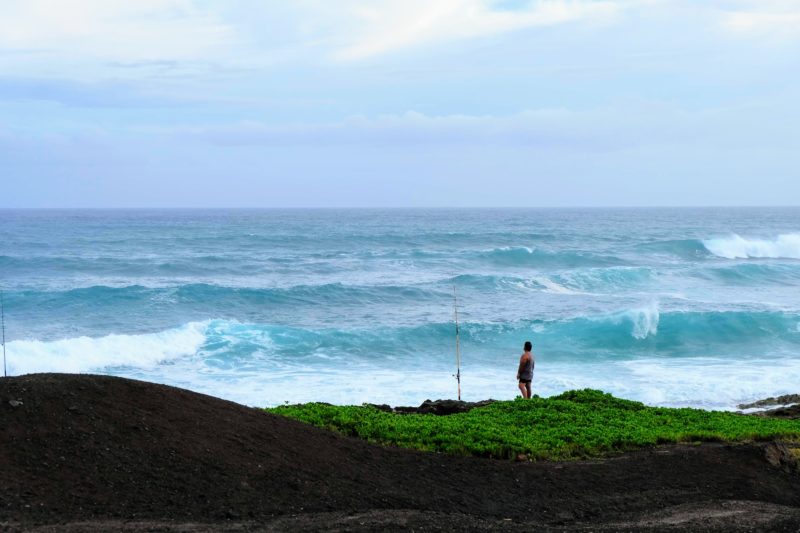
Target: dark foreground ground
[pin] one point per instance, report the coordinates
(95, 453)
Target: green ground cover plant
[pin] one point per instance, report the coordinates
(572, 425)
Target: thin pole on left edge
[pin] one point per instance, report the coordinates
(458, 348)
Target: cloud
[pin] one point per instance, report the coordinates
(771, 19)
(107, 94)
(117, 30)
(36, 149)
(93, 39)
(391, 25)
(121, 31)
(597, 130)
(412, 128)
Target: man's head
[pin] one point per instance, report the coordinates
(528, 346)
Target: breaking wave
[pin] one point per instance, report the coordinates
(87, 354)
(785, 246)
(535, 257)
(637, 330)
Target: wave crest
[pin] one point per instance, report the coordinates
(536, 257)
(86, 354)
(785, 246)
(233, 346)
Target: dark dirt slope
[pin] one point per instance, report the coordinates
(97, 448)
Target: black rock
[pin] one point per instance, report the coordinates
(442, 407)
(769, 402)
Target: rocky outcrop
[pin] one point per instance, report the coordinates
(435, 407)
(791, 412)
(786, 406)
(782, 456)
(786, 399)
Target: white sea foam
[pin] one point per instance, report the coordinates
(688, 382)
(644, 320)
(544, 284)
(553, 287)
(198, 356)
(88, 354)
(786, 246)
(719, 383)
(525, 249)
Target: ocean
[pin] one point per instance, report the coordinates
(676, 307)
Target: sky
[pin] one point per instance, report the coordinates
(399, 103)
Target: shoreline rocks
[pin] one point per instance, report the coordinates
(434, 407)
(786, 406)
(779, 401)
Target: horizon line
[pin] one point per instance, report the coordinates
(401, 207)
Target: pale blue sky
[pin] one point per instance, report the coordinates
(191, 103)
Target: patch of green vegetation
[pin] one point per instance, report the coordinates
(575, 424)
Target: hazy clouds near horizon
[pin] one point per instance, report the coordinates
(399, 103)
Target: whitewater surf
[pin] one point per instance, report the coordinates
(679, 307)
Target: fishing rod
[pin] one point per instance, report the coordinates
(458, 348)
(3, 326)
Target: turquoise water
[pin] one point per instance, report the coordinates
(695, 307)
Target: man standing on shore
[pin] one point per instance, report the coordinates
(525, 371)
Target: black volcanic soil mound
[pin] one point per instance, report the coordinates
(82, 452)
